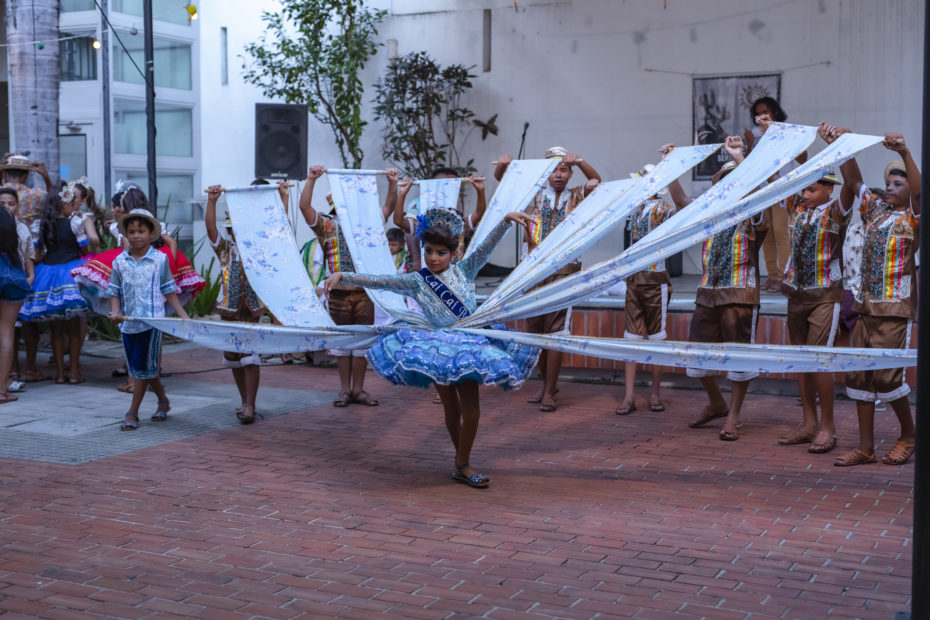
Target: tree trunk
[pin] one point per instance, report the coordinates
(34, 76)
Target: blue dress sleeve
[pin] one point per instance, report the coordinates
(471, 264)
(402, 282)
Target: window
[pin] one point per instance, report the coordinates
(175, 193)
(224, 56)
(73, 156)
(77, 5)
(78, 58)
(172, 61)
(173, 11)
(173, 138)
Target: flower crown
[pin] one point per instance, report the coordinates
(440, 217)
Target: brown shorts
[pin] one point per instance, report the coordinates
(813, 324)
(557, 322)
(879, 332)
(645, 310)
(242, 313)
(726, 323)
(351, 307)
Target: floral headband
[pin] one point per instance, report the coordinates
(67, 193)
(440, 217)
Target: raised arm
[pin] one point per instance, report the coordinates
(587, 169)
(679, 197)
(209, 216)
(852, 176)
(169, 241)
(895, 142)
(39, 168)
(481, 203)
(733, 145)
(285, 196)
(306, 196)
(387, 210)
(91, 231)
(400, 219)
(501, 167)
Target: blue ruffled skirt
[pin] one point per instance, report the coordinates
(56, 294)
(13, 283)
(420, 358)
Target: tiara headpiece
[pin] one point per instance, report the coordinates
(440, 217)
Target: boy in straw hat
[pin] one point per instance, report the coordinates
(548, 208)
(140, 284)
(887, 295)
(727, 302)
(813, 283)
(647, 294)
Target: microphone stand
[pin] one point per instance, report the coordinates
(516, 231)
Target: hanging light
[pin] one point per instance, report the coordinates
(192, 12)
(96, 44)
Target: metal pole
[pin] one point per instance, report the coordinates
(150, 102)
(920, 552)
(105, 76)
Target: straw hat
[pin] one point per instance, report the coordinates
(896, 165)
(556, 151)
(143, 213)
(17, 162)
(726, 169)
(830, 177)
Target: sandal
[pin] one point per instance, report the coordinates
(798, 436)
(36, 376)
(9, 398)
(287, 358)
(548, 404)
(655, 403)
(342, 400)
(364, 398)
(821, 447)
(125, 387)
(854, 457)
(707, 415)
(536, 398)
(476, 480)
(729, 435)
(129, 425)
(900, 454)
(60, 380)
(76, 380)
(626, 407)
(161, 412)
(246, 419)
(16, 386)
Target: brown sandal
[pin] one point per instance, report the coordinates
(707, 415)
(854, 457)
(655, 403)
(626, 407)
(729, 435)
(798, 436)
(342, 400)
(822, 447)
(900, 454)
(548, 403)
(364, 398)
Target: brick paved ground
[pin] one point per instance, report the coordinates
(350, 512)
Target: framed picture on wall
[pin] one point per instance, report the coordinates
(721, 106)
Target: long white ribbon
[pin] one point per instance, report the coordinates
(251, 338)
(595, 216)
(522, 180)
(358, 208)
(271, 257)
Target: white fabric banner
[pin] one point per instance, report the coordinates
(251, 338)
(521, 182)
(439, 193)
(358, 207)
(597, 215)
(271, 257)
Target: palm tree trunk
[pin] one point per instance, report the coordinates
(34, 75)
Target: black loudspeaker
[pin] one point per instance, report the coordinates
(280, 140)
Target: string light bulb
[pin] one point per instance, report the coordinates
(96, 44)
(192, 12)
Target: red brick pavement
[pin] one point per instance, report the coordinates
(350, 513)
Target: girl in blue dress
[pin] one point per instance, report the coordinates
(454, 361)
